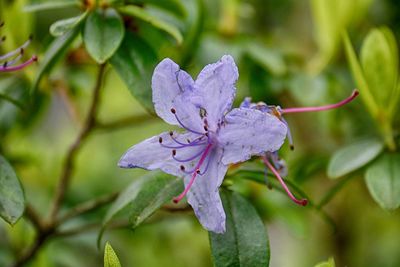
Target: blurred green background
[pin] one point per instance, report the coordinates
(289, 53)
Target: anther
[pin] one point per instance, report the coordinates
(173, 111)
(171, 133)
(5, 64)
(182, 168)
(198, 171)
(291, 147)
(160, 139)
(21, 51)
(173, 152)
(2, 24)
(3, 38)
(205, 128)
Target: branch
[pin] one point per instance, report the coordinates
(124, 122)
(74, 149)
(87, 207)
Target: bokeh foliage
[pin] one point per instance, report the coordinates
(289, 53)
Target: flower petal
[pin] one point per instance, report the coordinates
(172, 88)
(204, 195)
(152, 155)
(215, 88)
(248, 132)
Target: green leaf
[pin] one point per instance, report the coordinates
(110, 258)
(56, 50)
(270, 60)
(175, 7)
(329, 263)
(379, 60)
(359, 78)
(354, 156)
(61, 27)
(134, 61)
(12, 200)
(245, 242)
(103, 33)
(383, 181)
(143, 197)
(51, 5)
(142, 14)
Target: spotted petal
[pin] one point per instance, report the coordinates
(249, 132)
(172, 88)
(151, 155)
(215, 88)
(204, 195)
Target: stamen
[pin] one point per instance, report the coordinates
(12, 62)
(289, 134)
(302, 202)
(19, 67)
(173, 111)
(195, 142)
(188, 159)
(16, 51)
(1, 24)
(203, 157)
(321, 108)
(160, 139)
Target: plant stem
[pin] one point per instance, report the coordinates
(87, 207)
(69, 163)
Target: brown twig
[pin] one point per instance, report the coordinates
(125, 122)
(87, 207)
(47, 230)
(72, 152)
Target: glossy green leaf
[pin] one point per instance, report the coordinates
(174, 7)
(383, 181)
(61, 27)
(51, 5)
(12, 200)
(329, 263)
(110, 257)
(143, 197)
(354, 156)
(142, 14)
(134, 61)
(56, 50)
(103, 33)
(245, 242)
(379, 60)
(359, 78)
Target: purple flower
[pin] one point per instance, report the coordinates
(214, 136)
(9, 61)
(271, 159)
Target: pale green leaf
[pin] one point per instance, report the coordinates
(354, 156)
(110, 257)
(61, 27)
(379, 60)
(329, 263)
(359, 78)
(51, 5)
(383, 181)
